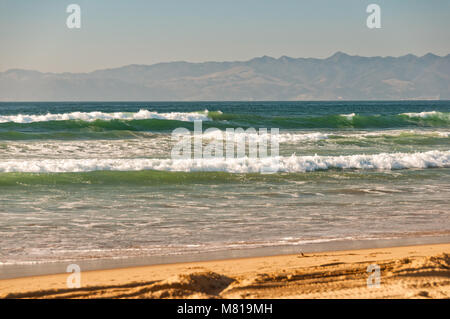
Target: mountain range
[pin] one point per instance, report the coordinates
(341, 76)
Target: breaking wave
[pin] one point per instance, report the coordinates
(291, 164)
(93, 116)
(145, 120)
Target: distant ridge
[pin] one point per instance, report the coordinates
(340, 76)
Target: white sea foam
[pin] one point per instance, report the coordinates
(382, 161)
(293, 137)
(443, 134)
(92, 116)
(348, 116)
(158, 145)
(441, 115)
(393, 133)
(282, 137)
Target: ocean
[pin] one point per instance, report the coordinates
(95, 180)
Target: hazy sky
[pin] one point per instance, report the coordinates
(34, 35)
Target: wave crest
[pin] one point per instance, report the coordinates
(93, 116)
(292, 164)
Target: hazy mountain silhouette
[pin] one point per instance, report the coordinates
(340, 76)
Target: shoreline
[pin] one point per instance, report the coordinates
(12, 271)
(411, 271)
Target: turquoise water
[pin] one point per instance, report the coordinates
(95, 180)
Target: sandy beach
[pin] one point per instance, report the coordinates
(420, 271)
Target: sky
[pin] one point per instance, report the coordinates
(113, 33)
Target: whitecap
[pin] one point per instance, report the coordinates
(290, 164)
(93, 116)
